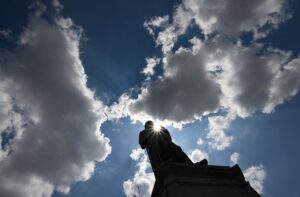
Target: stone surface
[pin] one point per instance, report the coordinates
(188, 180)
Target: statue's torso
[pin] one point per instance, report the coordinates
(159, 146)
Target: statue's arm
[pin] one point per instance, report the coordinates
(142, 139)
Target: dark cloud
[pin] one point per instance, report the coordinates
(184, 93)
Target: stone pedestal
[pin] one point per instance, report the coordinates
(186, 180)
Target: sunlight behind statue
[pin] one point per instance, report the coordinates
(160, 148)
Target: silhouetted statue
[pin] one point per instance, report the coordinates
(160, 147)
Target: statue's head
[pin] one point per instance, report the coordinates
(149, 124)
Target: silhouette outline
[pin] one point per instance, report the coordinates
(160, 147)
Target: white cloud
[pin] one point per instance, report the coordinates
(218, 76)
(229, 18)
(150, 65)
(215, 74)
(167, 39)
(200, 141)
(285, 84)
(142, 183)
(256, 175)
(162, 31)
(45, 100)
(197, 155)
(156, 23)
(234, 158)
(166, 33)
(216, 131)
(233, 16)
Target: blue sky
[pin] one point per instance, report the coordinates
(78, 80)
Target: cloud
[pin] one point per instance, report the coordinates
(285, 85)
(234, 158)
(150, 65)
(166, 33)
(162, 31)
(216, 131)
(54, 116)
(229, 18)
(219, 76)
(216, 75)
(5, 33)
(197, 155)
(155, 23)
(57, 5)
(200, 141)
(142, 182)
(256, 175)
(233, 16)
(176, 96)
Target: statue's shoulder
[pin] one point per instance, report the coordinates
(166, 133)
(164, 130)
(144, 131)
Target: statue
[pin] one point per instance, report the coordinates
(160, 147)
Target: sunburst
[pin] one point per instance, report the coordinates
(156, 126)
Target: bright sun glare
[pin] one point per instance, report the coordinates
(156, 127)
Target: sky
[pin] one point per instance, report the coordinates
(79, 79)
